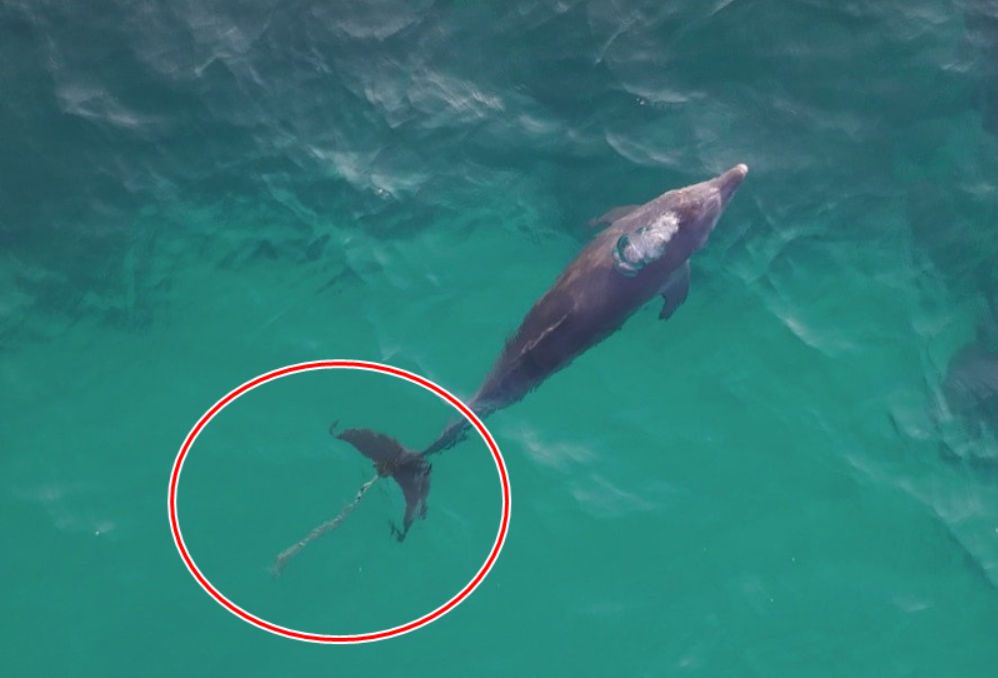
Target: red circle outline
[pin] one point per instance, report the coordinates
(340, 364)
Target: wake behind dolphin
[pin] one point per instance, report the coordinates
(644, 252)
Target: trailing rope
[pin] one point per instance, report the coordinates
(284, 556)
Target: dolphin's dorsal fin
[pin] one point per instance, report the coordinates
(533, 345)
(523, 357)
(541, 349)
(613, 215)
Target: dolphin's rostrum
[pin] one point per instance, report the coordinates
(644, 252)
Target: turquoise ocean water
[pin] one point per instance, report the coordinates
(794, 476)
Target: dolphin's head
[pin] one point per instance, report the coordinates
(678, 222)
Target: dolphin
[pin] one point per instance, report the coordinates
(981, 24)
(643, 253)
(970, 390)
(971, 384)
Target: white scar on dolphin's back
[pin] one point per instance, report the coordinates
(665, 226)
(650, 242)
(645, 245)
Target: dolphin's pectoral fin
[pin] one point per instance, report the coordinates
(407, 468)
(613, 215)
(675, 291)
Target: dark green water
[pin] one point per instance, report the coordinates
(779, 481)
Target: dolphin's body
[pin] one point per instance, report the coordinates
(971, 385)
(981, 23)
(644, 253)
(971, 393)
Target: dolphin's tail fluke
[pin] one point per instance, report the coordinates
(391, 459)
